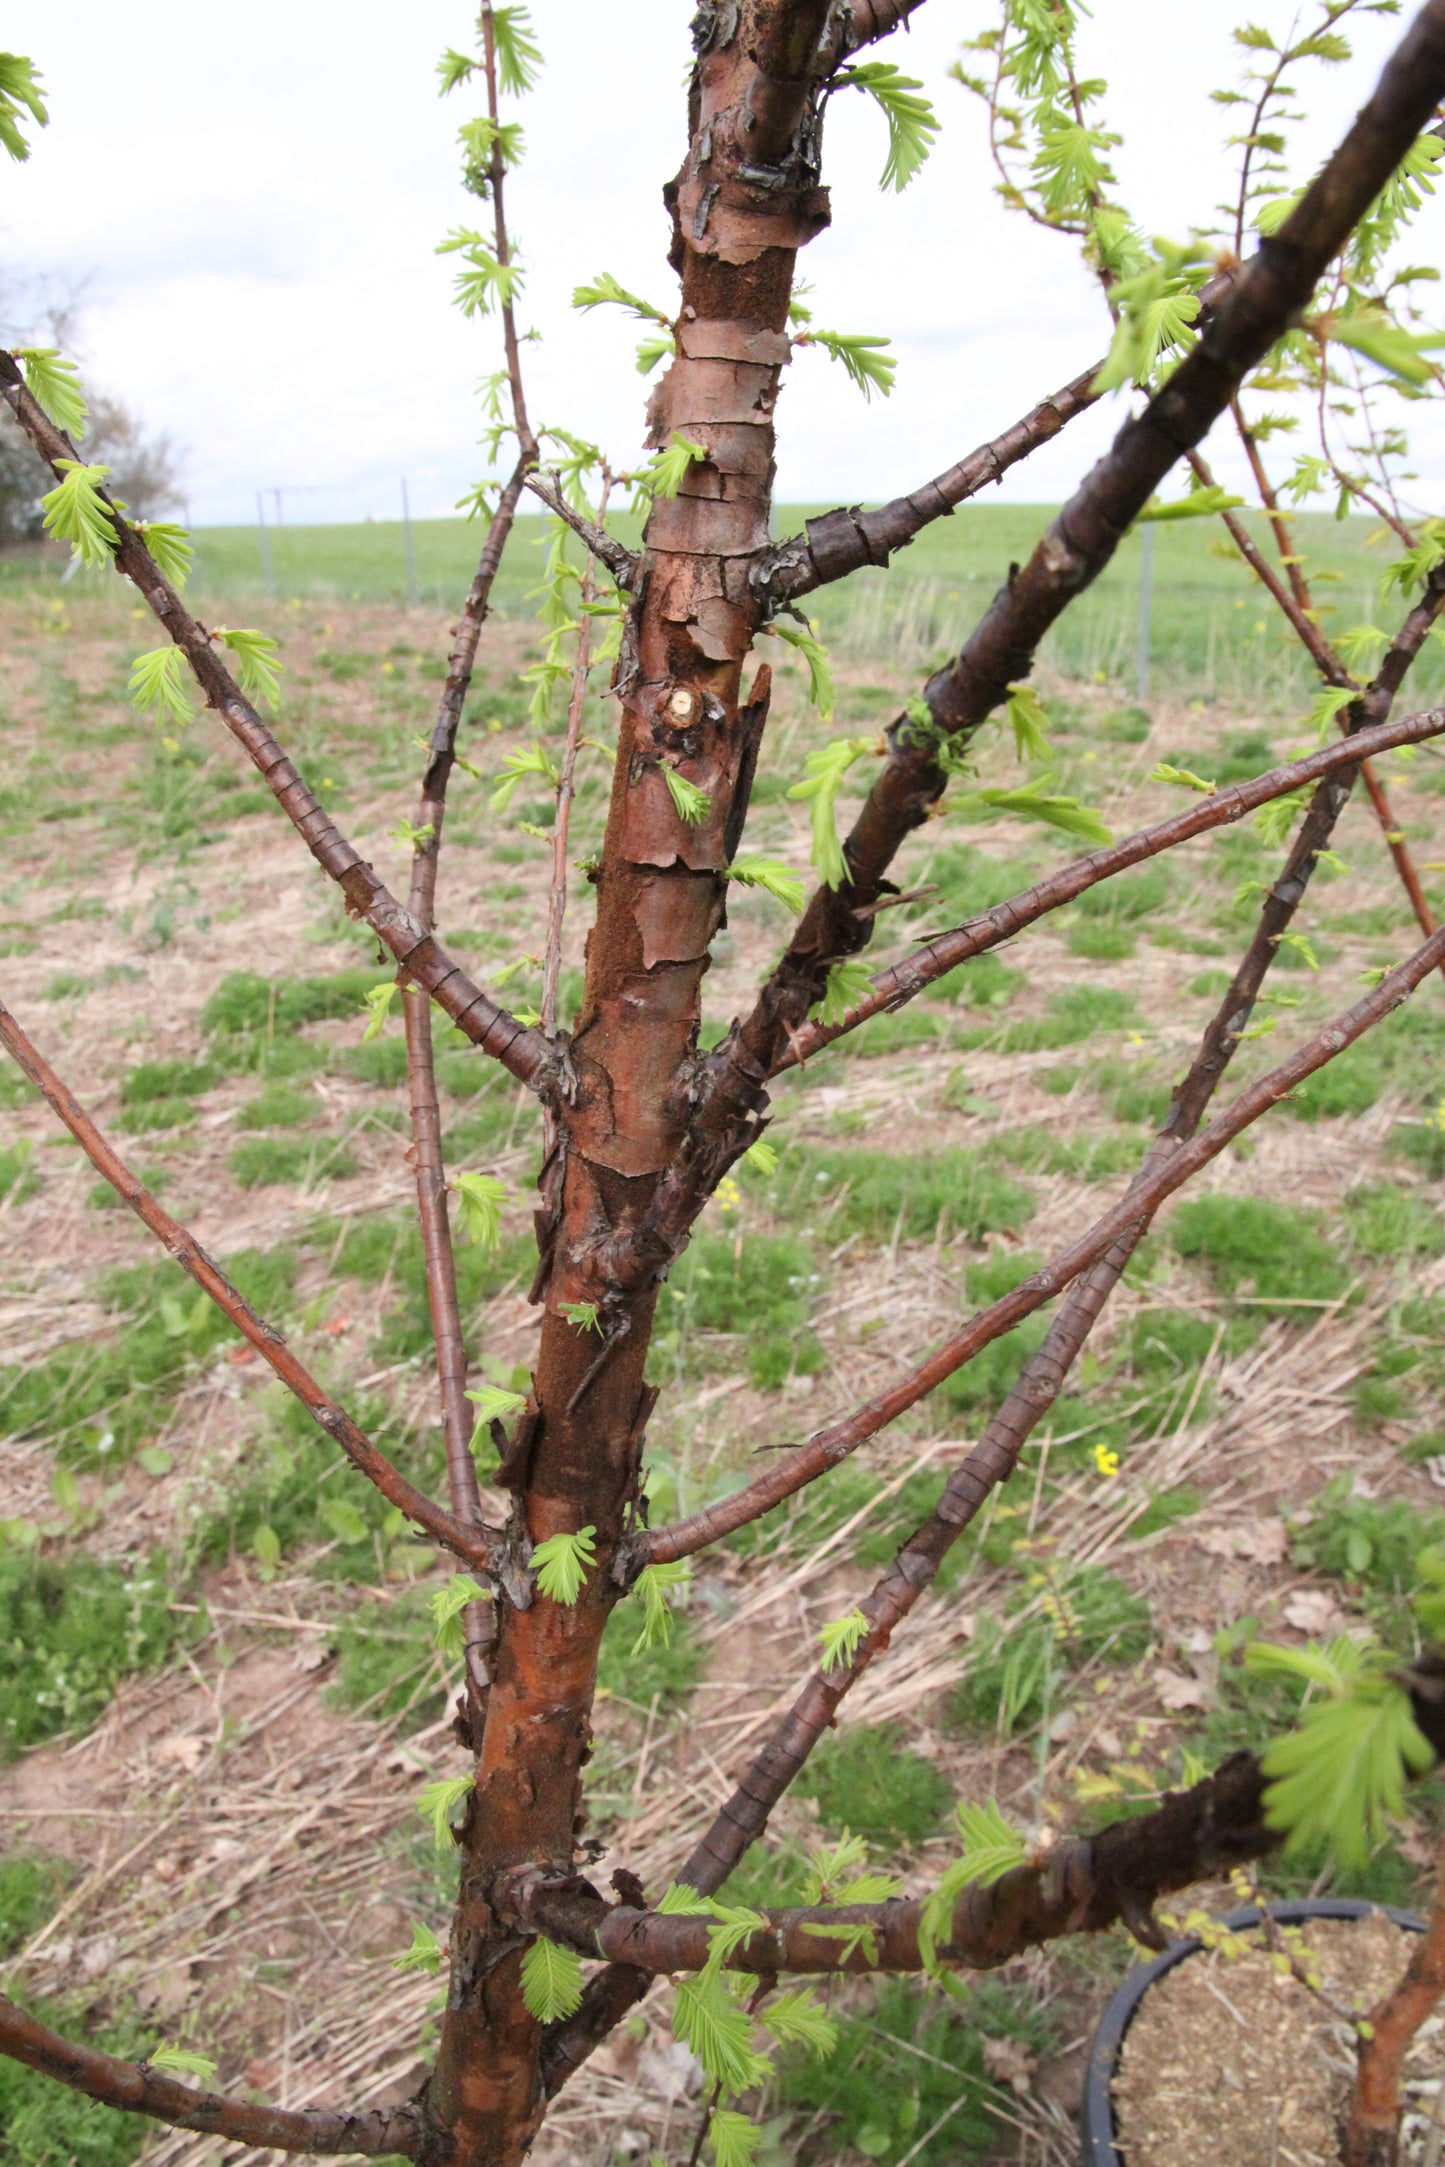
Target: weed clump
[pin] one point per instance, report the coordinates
(759, 1287)
(1018, 1669)
(259, 1161)
(71, 1632)
(878, 1195)
(99, 1399)
(867, 1780)
(1274, 1251)
(875, 2097)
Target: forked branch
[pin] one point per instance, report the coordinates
(136, 2088)
(473, 1544)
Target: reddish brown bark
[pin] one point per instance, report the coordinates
(1372, 2131)
(135, 2088)
(639, 1126)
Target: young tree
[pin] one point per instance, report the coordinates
(640, 1124)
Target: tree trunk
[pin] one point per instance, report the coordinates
(661, 897)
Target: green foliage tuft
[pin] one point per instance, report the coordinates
(53, 382)
(773, 877)
(691, 805)
(256, 668)
(1339, 1778)
(159, 684)
(912, 122)
(19, 88)
(563, 1562)
(480, 1198)
(551, 1980)
(75, 512)
(868, 361)
(823, 773)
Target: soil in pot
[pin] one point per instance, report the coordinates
(1227, 2064)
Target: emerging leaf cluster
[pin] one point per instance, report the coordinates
(868, 361)
(551, 1980)
(447, 1605)
(563, 1562)
(1339, 1778)
(440, 1803)
(19, 93)
(256, 667)
(991, 1847)
(665, 475)
(652, 1585)
(480, 1198)
(824, 771)
(53, 382)
(74, 511)
(159, 685)
(912, 122)
(425, 1954)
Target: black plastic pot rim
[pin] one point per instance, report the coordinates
(1099, 2148)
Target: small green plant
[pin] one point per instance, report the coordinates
(1251, 1246)
(74, 1629)
(260, 1161)
(867, 1779)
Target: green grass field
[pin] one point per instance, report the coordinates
(1214, 633)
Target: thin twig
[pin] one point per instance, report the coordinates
(621, 562)
(473, 1544)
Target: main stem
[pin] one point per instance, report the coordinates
(574, 1462)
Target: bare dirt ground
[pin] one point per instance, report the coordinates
(242, 1858)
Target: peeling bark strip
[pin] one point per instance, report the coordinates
(473, 1544)
(746, 199)
(474, 1012)
(893, 988)
(135, 2088)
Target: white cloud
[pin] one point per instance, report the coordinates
(259, 195)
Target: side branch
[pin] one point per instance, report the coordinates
(840, 1439)
(472, 1544)
(621, 562)
(1078, 1886)
(525, 1053)
(945, 951)
(844, 540)
(135, 2088)
(1267, 295)
(441, 1278)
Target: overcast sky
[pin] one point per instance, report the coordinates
(255, 196)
